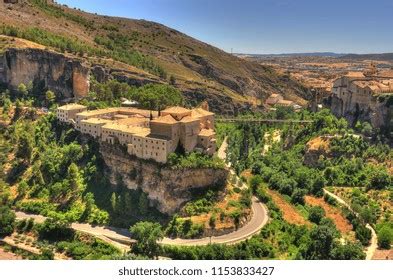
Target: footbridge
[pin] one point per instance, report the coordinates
(257, 120)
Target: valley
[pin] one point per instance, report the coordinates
(125, 139)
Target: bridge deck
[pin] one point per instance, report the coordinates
(262, 120)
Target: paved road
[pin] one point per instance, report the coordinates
(370, 250)
(121, 237)
(118, 237)
(258, 220)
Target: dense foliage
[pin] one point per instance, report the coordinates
(150, 96)
(194, 160)
(146, 234)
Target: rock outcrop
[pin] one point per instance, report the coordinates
(67, 77)
(377, 110)
(316, 149)
(104, 73)
(167, 189)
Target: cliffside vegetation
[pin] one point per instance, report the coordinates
(56, 173)
(151, 96)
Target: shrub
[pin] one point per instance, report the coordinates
(55, 230)
(363, 234)
(316, 214)
(7, 220)
(298, 196)
(262, 195)
(385, 237)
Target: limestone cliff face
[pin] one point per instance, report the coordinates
(65, 76)
(166, 188)
(376, 110)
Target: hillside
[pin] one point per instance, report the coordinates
(374, 56)
(147, 52)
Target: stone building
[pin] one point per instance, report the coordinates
(364, 96)
(273, 99)
(68, 112)
(146, 134)
(276, 99)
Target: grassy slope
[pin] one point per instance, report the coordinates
(197, 66)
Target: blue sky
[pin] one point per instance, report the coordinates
(266, 26)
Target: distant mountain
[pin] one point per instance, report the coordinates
(372, 56)
(321, 54)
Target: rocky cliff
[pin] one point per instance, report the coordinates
(167, 189)
(377, 110)
(66, 76)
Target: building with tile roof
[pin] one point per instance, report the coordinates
(146, 134)
(362, 96)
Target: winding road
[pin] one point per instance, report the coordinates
(121, 238)
(370, 250)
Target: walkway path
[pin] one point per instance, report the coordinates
(370, 250)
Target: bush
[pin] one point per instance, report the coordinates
(330, 200)
(255, 182)
(55, 230)
(385, 237)
(194, 160)
(262, 195)
(7, 221)
(298, 196)
(25, 225)
(316, 214)
(363, 234)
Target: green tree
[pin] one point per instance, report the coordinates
(25, 146)
(316, 214)
(379, 179)
(385, 237)
(55, 229)
(349, 251)
(22, 90)
(89, 204)
(318, 185)
(7, 220)
(147, 234)
(212, 221)
(50, 97)
(298, 196)
(255, 182)
(22, 189)
(321, 243)
(75, 180)
(114, 202)
(363, 234)
(143, 203)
